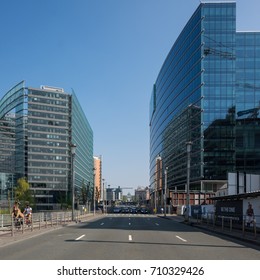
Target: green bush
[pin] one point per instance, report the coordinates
(4, 211)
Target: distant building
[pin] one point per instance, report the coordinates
(38, 126)
(110, 194)
(118, 194)
(141, 195)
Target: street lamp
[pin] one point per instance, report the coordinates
(158, 170)
(94, 192)
(165, 188)
(104, 202)
(73, 153)
(188, 146)
(155, 198)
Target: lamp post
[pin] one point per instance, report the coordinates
(165, 188)
(188, 146)
(104, 203)
(94, 192)
(73, 153)
(155, 198)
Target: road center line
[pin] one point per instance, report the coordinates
(129, 224)
(130, 237)
(157, 224)
(184, 240)
(80, 237)
(102, 224)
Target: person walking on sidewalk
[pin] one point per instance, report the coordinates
(249, 214)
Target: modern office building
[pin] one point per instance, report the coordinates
(7, 159)
(45, 122)
(207, 93)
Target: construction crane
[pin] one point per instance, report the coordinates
(252, 113)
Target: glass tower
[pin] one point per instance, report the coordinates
(248, 102)
(199, 96)
(46, 122)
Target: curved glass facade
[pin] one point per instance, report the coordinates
(194, 99)
(176, 106)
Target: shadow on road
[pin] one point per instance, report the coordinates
(149, 243)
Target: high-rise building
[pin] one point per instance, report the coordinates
(207, 93)
(46, 122)
(7, 159)
(98, 177)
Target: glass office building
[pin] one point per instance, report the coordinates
(46, 122)
(207, 84)
(7, 162)
(248, 102)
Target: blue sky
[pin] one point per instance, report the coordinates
(110, 52)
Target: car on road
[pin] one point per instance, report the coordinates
(125, 210)
(144, 211)
(134, 210)
(116, 210)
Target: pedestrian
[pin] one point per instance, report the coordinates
(249, 214)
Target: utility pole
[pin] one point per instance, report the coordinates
(165, 188)
(188, 145)
(73, 153)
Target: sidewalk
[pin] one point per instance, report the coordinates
(7, 238)
(248, 235)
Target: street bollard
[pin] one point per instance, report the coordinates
(23, 221)
(254, 229)
(32, 220)
(12, 226)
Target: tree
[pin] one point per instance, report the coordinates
(23, 193)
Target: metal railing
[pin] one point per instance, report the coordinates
(39, 221)
(238, 224)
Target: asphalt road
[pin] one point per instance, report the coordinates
(129, 237)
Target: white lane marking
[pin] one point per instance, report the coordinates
(157, 224)
(102, 224)
(184, 240)
(80, 237)
(130, 237)
(129, 224)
